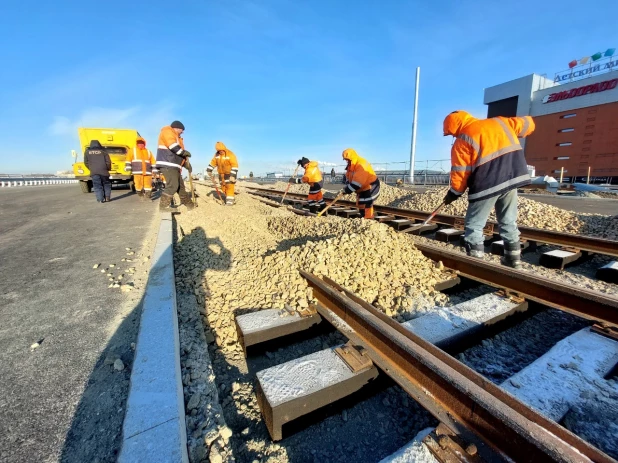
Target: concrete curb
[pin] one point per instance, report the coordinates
(154, 428)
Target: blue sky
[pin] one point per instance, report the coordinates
(273, 79)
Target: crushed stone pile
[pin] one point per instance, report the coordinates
(254, 263)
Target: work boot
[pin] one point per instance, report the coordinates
(512, 255)
(475, 250)
(148, 194)
(185, 200)
(165, 202)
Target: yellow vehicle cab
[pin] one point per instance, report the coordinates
(117, 142)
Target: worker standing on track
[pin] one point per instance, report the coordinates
(171, 158)
(313, 177)
(361, 179)
(488, 160)
(227, 165)
(141, 163)
(98, 162)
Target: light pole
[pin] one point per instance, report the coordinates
(414, 124)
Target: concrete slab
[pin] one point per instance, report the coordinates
(559, 258)
(413, 452)
(448, 235)
(608, 272)
(400, 224)
(565, 375)
(156, 396)
(293, 389)
(265, 325)
(446, 325)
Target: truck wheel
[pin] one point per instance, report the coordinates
(86, 186)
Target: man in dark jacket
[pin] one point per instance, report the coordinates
(99, 164)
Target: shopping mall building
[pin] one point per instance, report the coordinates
(576, 116)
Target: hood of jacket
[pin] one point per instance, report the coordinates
(456, 121)
(94, 144)
(350, 155)
(141, 139)
(219, 146)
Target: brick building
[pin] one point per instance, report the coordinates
(576, 123)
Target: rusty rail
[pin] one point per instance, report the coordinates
(584, 243)
(468, 404)
(582, 302)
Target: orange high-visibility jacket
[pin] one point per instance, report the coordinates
(170, 149)
(486, 156)
(359, 173)
(312, 173)
(226, 163)
(140, 161)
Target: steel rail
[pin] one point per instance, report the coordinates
(467, 403)
(578, 301)
(584, 243)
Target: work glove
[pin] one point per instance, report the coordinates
(450, 197)
(232, 179)
(188, 166)
(186, 154)
(292, 180)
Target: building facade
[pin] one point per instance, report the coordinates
(576, 124)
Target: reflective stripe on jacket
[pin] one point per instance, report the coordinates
(140, 161)
(226, 163)
(486, 157)
(359, 173)
(170, 149)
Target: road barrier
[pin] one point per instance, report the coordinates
(8, 183)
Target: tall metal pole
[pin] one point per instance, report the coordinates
(414, 124)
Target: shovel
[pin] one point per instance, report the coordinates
(212, 177)
(337, 198)
(288, 187)
(192, 190)
(433, 214)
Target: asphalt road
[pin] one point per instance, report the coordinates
(63, 401)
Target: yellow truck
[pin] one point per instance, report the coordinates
(117, 142)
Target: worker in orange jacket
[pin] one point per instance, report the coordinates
(171, 158)
(488, 161)
(361, 179)
(141, 163)
(227, 165)
(313, 177)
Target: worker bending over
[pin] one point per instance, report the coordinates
(141, 163)
(227, 166)
(488, 160)
(171, 158)
(313, 177)
(362, 180)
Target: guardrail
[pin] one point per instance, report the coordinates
(24, 182)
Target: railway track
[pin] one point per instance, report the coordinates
(479, 422)
(572, 249)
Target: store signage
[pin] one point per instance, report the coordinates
(604, 65)
(580, 91)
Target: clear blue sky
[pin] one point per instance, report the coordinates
(273, 79)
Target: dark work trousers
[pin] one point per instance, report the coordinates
(173, 182)
(102, 187)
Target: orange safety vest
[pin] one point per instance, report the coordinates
(140, 161)
(359, 173)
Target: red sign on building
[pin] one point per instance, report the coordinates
(579, 91)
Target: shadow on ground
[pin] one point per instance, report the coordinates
(95, 434)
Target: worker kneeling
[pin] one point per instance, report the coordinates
(488, 160)
(227, 165)
(313, 177)
(362, 180)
